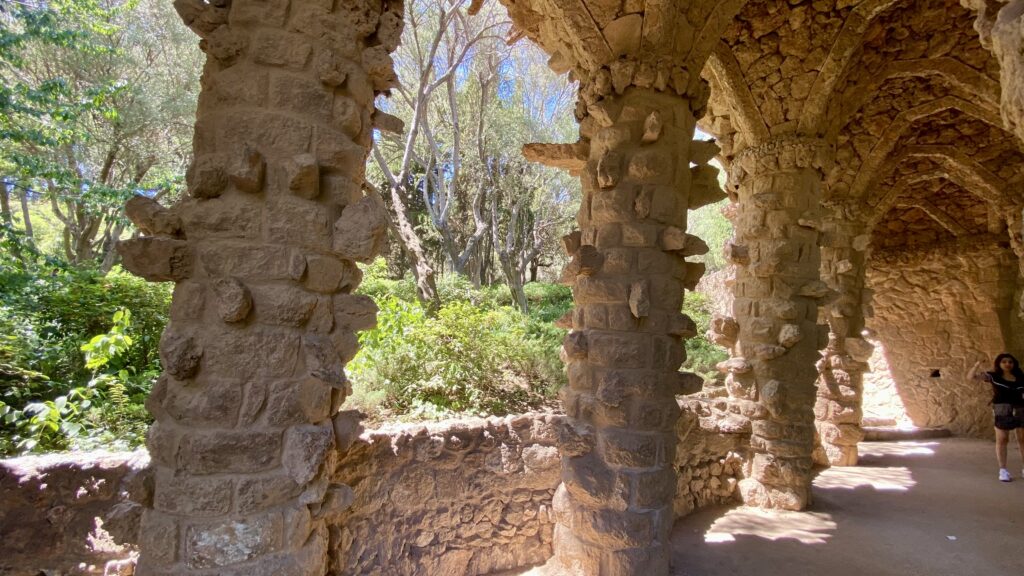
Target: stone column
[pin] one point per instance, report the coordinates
(613, 510)
(845, 359)
(777, 288)
(262, 251)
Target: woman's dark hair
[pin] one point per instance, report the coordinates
(1016, 371)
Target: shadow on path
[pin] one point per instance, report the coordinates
(924, 508)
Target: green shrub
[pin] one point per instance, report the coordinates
(467, 359)
(701, 354)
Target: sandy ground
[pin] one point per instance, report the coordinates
(919, 508)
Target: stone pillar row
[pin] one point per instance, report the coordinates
(774, 333)
(262, 251)
(838, 411)
(640, 173)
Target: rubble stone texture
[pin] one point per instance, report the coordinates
(777, 288)
(941, 309)
(68, 513)
(263, 251)
(466, 497)
(640, 95)
(854, 132)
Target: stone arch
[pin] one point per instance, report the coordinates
(899, 194)
(706, 40)
(869, 170)
(965, 83)
(953, 165)
(723, 66)
(838, 61)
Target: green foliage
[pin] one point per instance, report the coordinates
(701, 354)
(710, 225)
(56, 393)
(477, 355)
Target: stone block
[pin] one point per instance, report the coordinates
(277, 48)
(628, 449)
(305, 449)
(157, 259)
(180, 354)
(158, 536)
(282, 305)
(361, 232)
(192, 496)
(151, 218)
(221, 544)
(233, 299)
(207, 177)
(303, 175)
(258, 493)
(619, 351)
(248, 171)
(301, 402)
(225, 452)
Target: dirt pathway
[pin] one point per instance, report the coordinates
(924, 508)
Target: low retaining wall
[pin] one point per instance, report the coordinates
(51, 506)
(461, 497)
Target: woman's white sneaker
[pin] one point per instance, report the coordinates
(1004, 475)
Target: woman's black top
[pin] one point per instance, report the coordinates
(1006, 391)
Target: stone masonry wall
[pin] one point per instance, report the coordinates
(941, 310)
(462, 497)
(51, 510)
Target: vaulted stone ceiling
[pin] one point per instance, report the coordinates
(904, 91)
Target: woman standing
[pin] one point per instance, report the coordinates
(1007, 381)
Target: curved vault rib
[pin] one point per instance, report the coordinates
(708, 39)
(744, 112)
(952, 165)
(834, 67)
(869, 172)
(965, 81)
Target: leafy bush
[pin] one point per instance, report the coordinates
(701, 354)
(56, 393)
(476, 355)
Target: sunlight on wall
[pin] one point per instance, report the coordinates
(882, 402)
(804, 527)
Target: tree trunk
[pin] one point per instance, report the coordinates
(109, 254)
(422, 271)
(5, 205)
(26, 215)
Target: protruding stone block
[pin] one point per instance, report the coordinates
(303, 173)
(652, 127)
(640, 298)
(683, 326)
(180, 355)
(233, 299)
(609, 169)
(575, 345)
(387, 123)
(361, 231)
(152, 218)
(305, 449)
(723, 331)
(207, 177)
(571, 242)
(704, 188)
(694, 272)
(789, 335)
(247, 173)
(157, 259)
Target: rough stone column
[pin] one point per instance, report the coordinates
(845, 359)
(262, 252)
(613, 509)
(777, 289)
